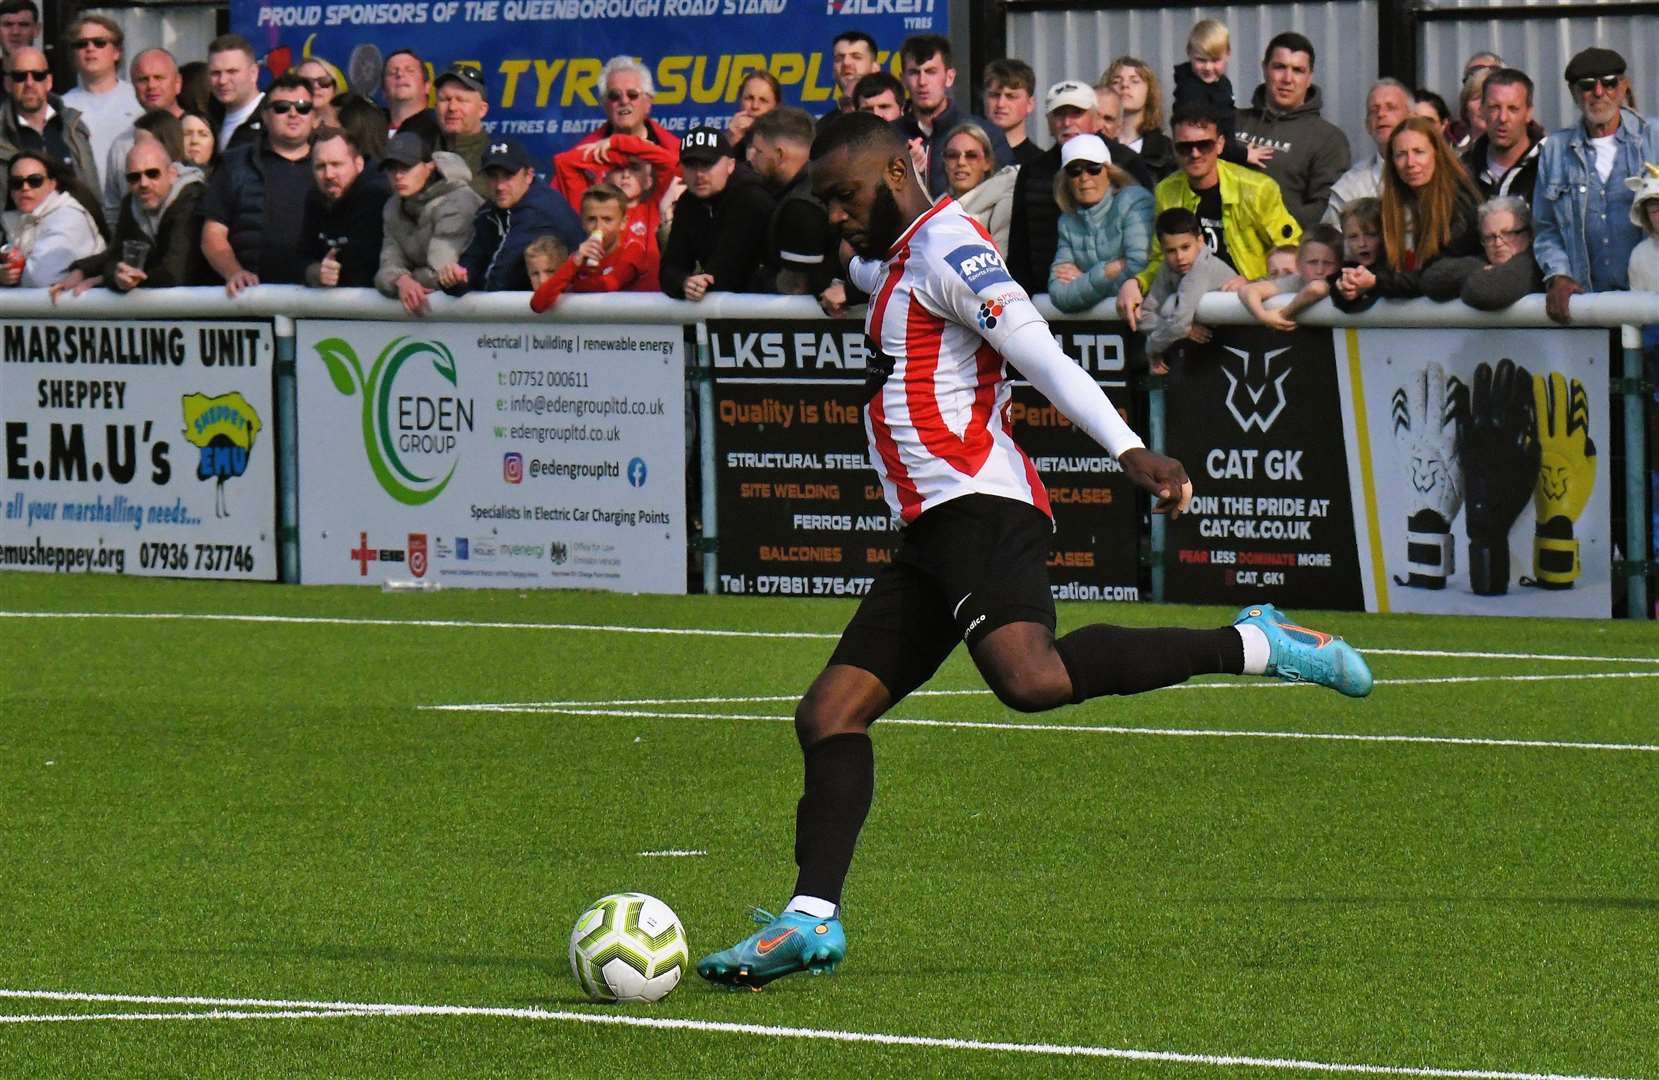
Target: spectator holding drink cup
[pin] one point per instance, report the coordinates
(55, 221)
(157, 241)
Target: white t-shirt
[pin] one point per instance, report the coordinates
(1607, 152)
(107, 116)
(234, 120)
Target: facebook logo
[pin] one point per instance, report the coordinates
(636, 472)
(980, 266)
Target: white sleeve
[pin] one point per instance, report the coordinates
(865, 274)
(1032, 349)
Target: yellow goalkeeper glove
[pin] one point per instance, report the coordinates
(1566, 475)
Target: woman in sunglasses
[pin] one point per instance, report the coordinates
(1428, 213)
(54, 221)
(1105, 226)
(324, 87)
(974, 181)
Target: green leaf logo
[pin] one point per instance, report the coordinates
(380, 435)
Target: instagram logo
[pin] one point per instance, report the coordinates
(512, 468)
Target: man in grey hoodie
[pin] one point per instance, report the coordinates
(428, 222)
(1309, 153)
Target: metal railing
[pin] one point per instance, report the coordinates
(1626, 311)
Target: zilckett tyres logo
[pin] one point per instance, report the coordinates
(413, 419)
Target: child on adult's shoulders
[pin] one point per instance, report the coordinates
(1203, 78)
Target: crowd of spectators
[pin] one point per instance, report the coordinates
(151, 172)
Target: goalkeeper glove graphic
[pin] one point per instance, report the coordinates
(1566, 475)
(1500, 469)
(1429, 414)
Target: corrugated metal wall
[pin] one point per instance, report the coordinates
(1541, 47)
(1078, 44)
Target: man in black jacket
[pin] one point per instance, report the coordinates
(519, 211)
(1034, 229)
(718, 240)
(802, 251)
(344, 212)
(156, 243)
(1504, 160)
(257, 187)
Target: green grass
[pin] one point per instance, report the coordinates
(261, 810)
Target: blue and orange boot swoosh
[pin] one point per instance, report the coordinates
(1299, 654)
(784, 944)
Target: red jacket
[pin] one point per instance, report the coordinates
(572, 174)
(624, 268)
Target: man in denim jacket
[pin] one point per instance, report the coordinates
(1581, 207)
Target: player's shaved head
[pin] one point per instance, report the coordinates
(858, 133)
(861, 171)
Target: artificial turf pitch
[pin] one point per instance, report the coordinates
(266, 810)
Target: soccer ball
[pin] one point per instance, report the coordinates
(628, 947)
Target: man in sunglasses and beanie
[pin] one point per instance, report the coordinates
(256, 199)
(1583, 234)
(627, 101)
(33, 118)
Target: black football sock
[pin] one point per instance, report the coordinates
(1118, 660)
(840, 782)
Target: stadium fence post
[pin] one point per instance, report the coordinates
(1155, 432)
(705, 449)
(1635, 475)
(288, 457)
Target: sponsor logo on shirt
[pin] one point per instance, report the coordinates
(979, 266)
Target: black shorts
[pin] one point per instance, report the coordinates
(963, 569)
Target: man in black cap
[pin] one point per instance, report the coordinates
(518, 211)
(717, 242)
(461, 111)
(1582, 232)
(342, 228)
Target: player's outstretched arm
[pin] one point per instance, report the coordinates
(1033, 351)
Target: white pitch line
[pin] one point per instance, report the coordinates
(444, 624)
(469, 624)
(673, 853)
(232, 1009)
(212, 1014)
(753, 699)
(1088, 729)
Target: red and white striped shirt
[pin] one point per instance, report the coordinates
(941, 305)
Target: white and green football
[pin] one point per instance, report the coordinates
(628, 947)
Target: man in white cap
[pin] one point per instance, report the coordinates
(1033, 232)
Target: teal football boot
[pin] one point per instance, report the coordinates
(785, 944)
(1297, 654)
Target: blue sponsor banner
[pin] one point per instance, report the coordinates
(542, 58)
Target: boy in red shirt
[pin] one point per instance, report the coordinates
(604, 262)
